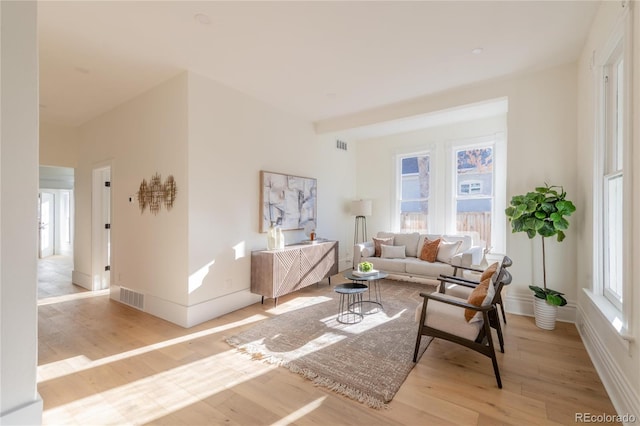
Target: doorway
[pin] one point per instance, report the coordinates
(55, 236)
(46, 224)
(101, 227)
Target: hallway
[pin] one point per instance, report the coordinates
(54, 277)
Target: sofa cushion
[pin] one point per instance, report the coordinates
(378, 242)
(392, 252)
(368, 251)
(388, 265)
(446, 250)
(466, 241)
(429, 250)
(420, 267)
(409, 240)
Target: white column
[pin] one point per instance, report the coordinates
(19, 399)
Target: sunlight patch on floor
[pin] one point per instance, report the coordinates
(300, 413)
(78, 363)
(159, 395)
(74, 296)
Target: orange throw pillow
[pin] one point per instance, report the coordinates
(488, 273)
(429, 250)
(377, 242)
(476, 298)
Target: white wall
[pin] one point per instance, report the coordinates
(58, 145)
(615, 359)
(144, 136)
(19, 400)
(193, 263)
(380, 154)
(231, 138)
(541, 144)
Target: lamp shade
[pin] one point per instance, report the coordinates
(361, 207)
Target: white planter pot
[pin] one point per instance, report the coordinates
(545, 314)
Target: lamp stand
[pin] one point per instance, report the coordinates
(361, 228)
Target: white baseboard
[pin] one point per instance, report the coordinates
(219, 306)
(623, 396)
(81, 279)
(27, 414)
(523, 305)
(189, 316)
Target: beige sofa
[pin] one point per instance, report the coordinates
(408, 266)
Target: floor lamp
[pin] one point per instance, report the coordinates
(360, 209)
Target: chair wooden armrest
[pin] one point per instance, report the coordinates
(459, 303)
(443, 277)
(454, 280)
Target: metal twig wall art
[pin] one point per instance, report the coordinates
(155, 194)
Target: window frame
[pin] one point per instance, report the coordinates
(442, 185)
(618, 46)
(499, 186)
(398, 187)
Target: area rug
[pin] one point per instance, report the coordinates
(367, 361)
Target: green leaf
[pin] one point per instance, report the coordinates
(556, 300)
(509, 212)
(548, 208)
(565, 207)
(561, 223)
(560, 236)
(547, 230)
(540, 215)
(541, 189)
(531, 233)
(538, 291)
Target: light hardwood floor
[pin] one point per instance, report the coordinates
(101, 362)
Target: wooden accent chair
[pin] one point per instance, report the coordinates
(462, 287)
(443, 316)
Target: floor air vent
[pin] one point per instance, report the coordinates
(132, 298)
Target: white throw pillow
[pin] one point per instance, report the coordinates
(393, 252)
(446, 250)
(367, 252)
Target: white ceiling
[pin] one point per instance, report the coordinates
(318, 60)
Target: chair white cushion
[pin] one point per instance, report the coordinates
(449, 318)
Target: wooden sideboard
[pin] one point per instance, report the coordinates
(275, 273)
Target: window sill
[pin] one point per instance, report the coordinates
(612, 315)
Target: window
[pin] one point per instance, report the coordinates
(474, 198)
(456, 187)
(612, 254)
(613, 176)
(413, 203)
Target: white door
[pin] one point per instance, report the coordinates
(101, 206)
(47, 224)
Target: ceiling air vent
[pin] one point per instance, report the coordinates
(341, 145)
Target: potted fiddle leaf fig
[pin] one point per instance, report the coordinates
(542, 212)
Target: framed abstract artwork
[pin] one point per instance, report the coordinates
(288, 201)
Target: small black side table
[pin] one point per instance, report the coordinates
(350, 299)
